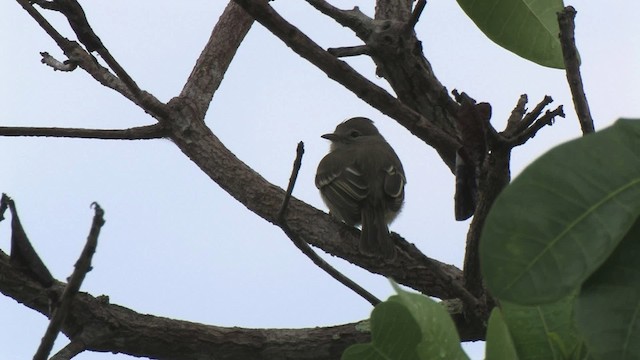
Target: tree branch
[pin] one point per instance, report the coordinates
(572, 65)
(82, 267)
(215, 58)
(69, 351)
(353, 19)
(494, 175)
(349, 51)
(155, 131)
(528, 133)
(108, 327)
(78, 55)
(415, 15)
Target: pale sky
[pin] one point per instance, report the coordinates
(178, 246)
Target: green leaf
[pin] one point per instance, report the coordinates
(440, 339)
(608, 307)
(409, 327)
(394, 333)
(563, 216)
(528, 28)
(542, 332)
(499, 344)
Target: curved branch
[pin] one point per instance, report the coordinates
(101, 326)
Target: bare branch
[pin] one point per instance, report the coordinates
(155, 131)
(66, 65)
(518, 111)
(531, 117)
(69, 351)
(304, 247)
(23, 254)
(572, 65)
(354, 19)
(531, 131)
(82, 267)
(162, 338)
(207, 74)
(415, 15)
(62, 42)
(76, 54)
(349, 51)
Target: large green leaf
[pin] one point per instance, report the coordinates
(412, 327)
(608, 307)
(563, 216)
(528, 28)
(440, 339)
(544, 332)
(395, 334)
(499, 343)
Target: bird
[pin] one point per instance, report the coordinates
(361, 180)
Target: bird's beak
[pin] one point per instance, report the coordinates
(331, 137)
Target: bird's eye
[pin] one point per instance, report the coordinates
(354, 133)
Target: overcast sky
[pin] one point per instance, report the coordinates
(177, 245)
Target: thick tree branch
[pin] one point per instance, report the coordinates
(572, 65)
(207, 74)
(424, 128)
(155, 131)
(317, 228)
(108, 327)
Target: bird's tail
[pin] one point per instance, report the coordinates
(375, 239)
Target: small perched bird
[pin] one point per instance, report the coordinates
(362, 182)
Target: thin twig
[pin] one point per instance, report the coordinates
(415, 15)
(518, 111)
(68, 352)
(62, 42)
(304, 247)
(349, 51)
(49, 60)
(354, 19)
(297, 163)
(532, 115)
(572, 65)
(82, 267)
(546, 119)
(120, 72)
(155, 131)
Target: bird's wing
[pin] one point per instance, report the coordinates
(394, 182)
(343, 190)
